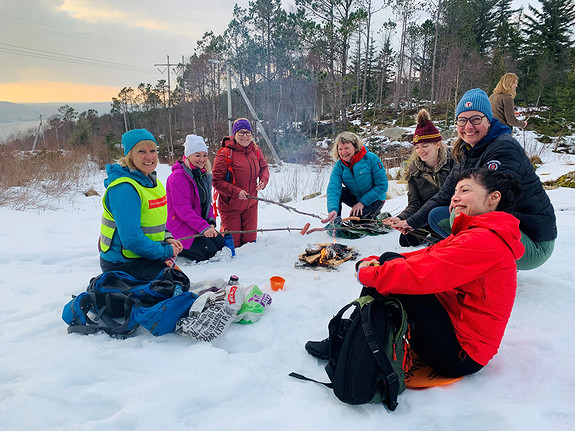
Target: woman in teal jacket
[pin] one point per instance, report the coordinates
(358, 179)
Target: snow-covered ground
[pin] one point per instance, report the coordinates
(51, 380)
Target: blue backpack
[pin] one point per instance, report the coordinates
(157, 305)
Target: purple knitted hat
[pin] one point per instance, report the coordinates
(241, 124)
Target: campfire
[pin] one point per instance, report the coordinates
(326, 256)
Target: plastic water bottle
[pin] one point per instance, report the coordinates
(234, 280)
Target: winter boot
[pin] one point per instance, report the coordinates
(318, 349)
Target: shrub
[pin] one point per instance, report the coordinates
(35, 179)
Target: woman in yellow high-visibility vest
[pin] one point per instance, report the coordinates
(133, 235)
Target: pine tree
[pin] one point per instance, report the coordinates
(547, 52)
(506, 40)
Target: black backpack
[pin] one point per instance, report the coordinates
(367, 352)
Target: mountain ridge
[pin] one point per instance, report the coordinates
(19, 112)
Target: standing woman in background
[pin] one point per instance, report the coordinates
(190, 211)
(240, 170)
(133, 235)
(502, 101)
(428, 168)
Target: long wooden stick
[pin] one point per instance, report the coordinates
(289, 229)
(360, 227)
(284, 206)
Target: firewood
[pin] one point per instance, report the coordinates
(310, 259)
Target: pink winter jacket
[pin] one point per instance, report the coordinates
(184, 206)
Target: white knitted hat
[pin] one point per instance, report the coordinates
(194, 144)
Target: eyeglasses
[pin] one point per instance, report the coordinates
(475, 120)
(242, 133)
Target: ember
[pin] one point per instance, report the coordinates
(325, 255)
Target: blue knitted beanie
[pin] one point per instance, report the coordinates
(131, 138)
(475, 100)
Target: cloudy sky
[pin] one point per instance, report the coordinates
(88, 50)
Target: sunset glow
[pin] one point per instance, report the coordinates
(50, 91)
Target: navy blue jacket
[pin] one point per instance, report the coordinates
(499, 150)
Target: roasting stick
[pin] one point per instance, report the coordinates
(305, 231)
(302, 231)
(319, 229)
(284, 206)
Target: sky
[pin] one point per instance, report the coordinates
(100, 46)
(88, 50)
(51, 380)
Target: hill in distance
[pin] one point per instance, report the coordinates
(20, 112)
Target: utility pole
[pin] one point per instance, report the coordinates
(125, 118)
(259, 126)
(170, 142)
(230, 119)
(182, 116)
(253, 112)
(38, 133)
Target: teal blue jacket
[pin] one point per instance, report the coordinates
(366, 180)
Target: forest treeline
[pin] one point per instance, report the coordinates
(310, 69)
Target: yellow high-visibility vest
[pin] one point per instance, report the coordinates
(153, 215)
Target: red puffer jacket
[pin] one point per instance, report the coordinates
(473, 274)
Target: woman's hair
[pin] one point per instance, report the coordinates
(505, 85)
(346, 138)
(126, 161)
(506, 183)
(457, 150)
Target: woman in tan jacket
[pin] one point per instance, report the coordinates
(428, 168)
(502, 101)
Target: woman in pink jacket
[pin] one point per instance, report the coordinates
(189, 193)
(240, 170)
(458, 293)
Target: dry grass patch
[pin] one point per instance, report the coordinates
(34, 179)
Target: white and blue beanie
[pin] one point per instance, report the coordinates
(475, 100)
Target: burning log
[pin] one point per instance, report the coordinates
(326, 255)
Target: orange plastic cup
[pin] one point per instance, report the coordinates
(277, 282)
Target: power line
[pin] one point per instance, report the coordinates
(56, 56)
(55, 29)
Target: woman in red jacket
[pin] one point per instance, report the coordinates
(458, 293)
(240, 170)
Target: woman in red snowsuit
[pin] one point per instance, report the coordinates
(240, 170)
(458, 293)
